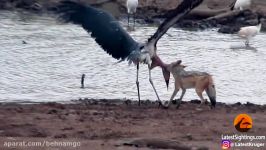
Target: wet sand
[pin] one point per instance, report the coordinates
(115, 124)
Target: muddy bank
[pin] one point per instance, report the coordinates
(150, 10)
(116, 124)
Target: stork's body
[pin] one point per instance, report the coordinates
(132, 9)
(241, 4)
(249, 32)
(109, 34)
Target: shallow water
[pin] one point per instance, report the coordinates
(49, 66)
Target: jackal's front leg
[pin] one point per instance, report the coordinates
(178, 103)
(173, 96)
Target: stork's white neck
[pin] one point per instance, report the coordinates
(150, 49)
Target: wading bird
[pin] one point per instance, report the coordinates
(241, 4)
(131, 10)
(113, 39)
(249, 32)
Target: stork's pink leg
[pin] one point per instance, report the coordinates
(150, 79)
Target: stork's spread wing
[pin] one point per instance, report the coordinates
(102, 26)
(178, 13)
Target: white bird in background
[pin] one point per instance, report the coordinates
(131, 9)
(241, 4)
(249, 32)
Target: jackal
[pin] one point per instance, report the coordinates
(200, 81)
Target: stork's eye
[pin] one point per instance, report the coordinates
(141, 47)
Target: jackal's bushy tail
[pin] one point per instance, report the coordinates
(211, 92)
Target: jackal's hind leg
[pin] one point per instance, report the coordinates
(199, 93)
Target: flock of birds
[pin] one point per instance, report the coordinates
(102, 25)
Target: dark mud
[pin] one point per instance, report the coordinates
(113, 124)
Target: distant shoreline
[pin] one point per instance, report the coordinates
(149, 12)
(122, 101)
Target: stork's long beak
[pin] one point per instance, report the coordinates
(166, 75)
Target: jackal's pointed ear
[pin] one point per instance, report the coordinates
(178, 62)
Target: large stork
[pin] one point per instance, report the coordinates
(113, 39)
(131, 9)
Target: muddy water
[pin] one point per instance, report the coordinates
(49, 66)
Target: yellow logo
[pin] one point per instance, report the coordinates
(243, 122)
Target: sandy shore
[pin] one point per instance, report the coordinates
(114, 124)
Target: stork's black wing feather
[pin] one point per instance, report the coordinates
(178, 13)
(103, 27)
